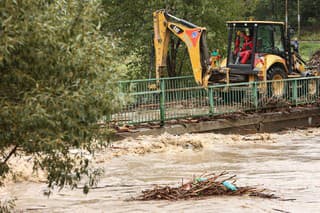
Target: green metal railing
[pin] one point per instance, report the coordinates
(153, 100)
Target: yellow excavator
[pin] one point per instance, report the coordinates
(257, 51)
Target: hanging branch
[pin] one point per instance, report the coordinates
(10, 154)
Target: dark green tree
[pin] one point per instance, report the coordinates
(309, 14)
(275, 10)
(55, 66)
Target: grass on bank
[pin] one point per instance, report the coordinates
(309, 35)
(307, 48)
(309, 43)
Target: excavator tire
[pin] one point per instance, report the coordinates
(277, 89)
(308, 88)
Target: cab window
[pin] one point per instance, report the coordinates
(241, 40)
(269, 40)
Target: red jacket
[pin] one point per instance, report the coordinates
(247, 44)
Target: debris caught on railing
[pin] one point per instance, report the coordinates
(206, 185)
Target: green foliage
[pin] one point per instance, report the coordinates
(133, 24)
(310, 36)
(269, 10)
(307, 48)
(55, 66)
(275, 10)
(309, 12)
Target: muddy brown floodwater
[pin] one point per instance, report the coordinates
(287, 163)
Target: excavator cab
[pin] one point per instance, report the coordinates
(249, 43)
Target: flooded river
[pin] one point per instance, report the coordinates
(287, 163)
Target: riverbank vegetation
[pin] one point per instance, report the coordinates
(55, 64)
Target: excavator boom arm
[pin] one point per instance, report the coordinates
(193, 36)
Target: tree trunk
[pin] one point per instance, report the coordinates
(172, 57)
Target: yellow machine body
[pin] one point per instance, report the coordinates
(214, 70)
(189, 34)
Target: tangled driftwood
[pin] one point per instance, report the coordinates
(206, 185)
(315, 59)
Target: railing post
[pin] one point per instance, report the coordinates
(294, 92)
(211, 101)
(162, 102)
(255, 95)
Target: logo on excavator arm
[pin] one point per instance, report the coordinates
(194, 35)
(176, 29)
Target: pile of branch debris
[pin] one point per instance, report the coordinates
(315, 60)
(204, 186)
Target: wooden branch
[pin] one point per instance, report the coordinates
(208, 187)
(10, 154)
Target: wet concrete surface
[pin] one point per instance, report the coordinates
(290, 167)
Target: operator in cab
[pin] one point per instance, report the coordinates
(244, 53)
